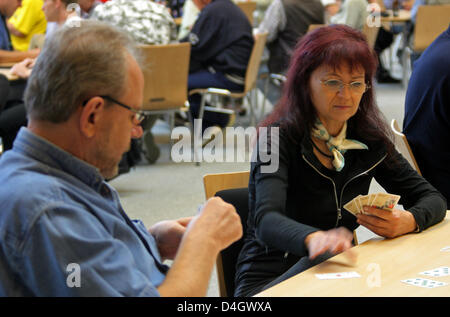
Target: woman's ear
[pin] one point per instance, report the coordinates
(91, 114)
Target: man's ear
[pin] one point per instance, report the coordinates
(91, 113)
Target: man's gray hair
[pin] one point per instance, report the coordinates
(78, 63)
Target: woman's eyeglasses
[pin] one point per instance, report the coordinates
(335, 85)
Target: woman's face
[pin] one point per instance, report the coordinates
(335, 94)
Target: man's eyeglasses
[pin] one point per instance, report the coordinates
(139, 115)
(335, 85)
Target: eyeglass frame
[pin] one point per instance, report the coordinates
(139, 115)
(342, 84)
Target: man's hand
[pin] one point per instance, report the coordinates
(385, 223)
(168, 235)
(217, 223)
(213, 229)
(334, 241)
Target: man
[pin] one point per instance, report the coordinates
(222, 42)
(427, 113)
(148, 23)
(27, 21)
(67, 234)
(7, 55)
(286, 21)
(59, 11)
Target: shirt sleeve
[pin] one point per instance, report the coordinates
(203, 36)
(274, 20)
(25, 17)
(351, 14)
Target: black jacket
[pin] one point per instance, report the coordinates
(303, 196)
(221, 38)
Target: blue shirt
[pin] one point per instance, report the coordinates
(427, 113)
(5, 41)
(57, 213)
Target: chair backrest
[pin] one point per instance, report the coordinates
(431, 20)
(232, 188)
(402, 145)
(254, 62)
(248, 7)
(382, 5)
(371, 33)
(37, 41)
(166, 69)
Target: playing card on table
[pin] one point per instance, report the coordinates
(423, 282)
(340, 275)
(437, 272)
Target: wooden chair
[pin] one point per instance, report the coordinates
(431, 20)
(166, 69)
(371, 34)
(402, 145)
(251, 77)
(248, 7)
(232, 188)
(312, 27)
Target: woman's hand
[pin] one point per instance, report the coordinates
(334, 241)
(386, 223)
(24, 68)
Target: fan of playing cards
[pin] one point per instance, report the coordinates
(380, 200)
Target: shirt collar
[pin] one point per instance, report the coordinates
(53, 156)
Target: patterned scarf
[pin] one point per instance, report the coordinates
(337, 145)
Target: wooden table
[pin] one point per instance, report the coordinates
(382, 264)
(7, 73)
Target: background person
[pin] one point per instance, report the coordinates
(427, 114)
(28, 20)
(7, 54)
(221, 43)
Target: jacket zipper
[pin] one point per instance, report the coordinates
(339, 214)
(338, 207)
(363, 173)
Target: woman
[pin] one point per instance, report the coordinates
(331, 142)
